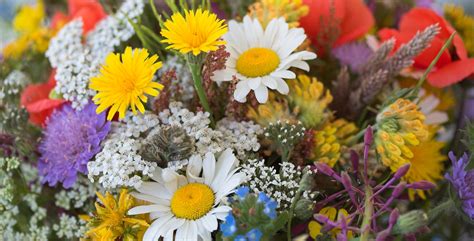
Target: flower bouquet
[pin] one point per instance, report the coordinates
(236, 120)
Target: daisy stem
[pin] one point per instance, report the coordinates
(195, 67)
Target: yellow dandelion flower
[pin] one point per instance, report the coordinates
(198, 31)
(463, 23)
(124, 80)
(400, 126)
(330, 139)
(29, 18)
(275, 109)
(111, 222)
(16, 48)
(426, 164)
(309, 100)
(315, 228)
(266, 10)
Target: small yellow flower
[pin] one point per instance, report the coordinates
(309, 100)
(124, 80)
(330, 139)
(111, 222)
(333, 214)
(400, 126)
(463, 23)
(426, 164)
(266, 10)
(275, 109)
(198, 31)
(29, 18)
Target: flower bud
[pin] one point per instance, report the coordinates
(410, 222)
(402, 171)
(422, 185)
(304, 209)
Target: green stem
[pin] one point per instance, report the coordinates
(297, 197)
(432, 64)
(438, 210)
(368, 212)
(196, 73)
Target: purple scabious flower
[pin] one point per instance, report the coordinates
(354, 55)
(71, 139)
(463, 181)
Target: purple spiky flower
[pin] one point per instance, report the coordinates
(71, 139)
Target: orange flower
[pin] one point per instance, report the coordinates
(90, 11)
(35, 99)
(453, 66)
(355, 19)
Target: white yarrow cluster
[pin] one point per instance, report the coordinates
(70, 227)
(240, 137)
(280, 185)
(76, 62)
(119, 164)
(77, 196)
(13, 84)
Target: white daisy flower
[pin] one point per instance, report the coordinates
(260, 59)
(191, 204)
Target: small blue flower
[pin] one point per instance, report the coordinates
(228, 228)
(254, 235)
(242, 192)
(263, 198)
(270, 209)
(240, 238)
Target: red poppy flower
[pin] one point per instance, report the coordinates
(355, 19)
(90, 11)
(35, 99)
(453, 66)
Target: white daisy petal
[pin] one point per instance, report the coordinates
(149, 198)
(154, 189)
(241, 90)
(285, 74)
(221, 212)
(209, 222)
(282, 86)
(269, 82)
(152, 231)
(148, 209)
(261, 93)
(209, 167)
(255, 83)
(223, 75)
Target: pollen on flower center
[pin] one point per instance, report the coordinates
(192, 201)
(257, 62)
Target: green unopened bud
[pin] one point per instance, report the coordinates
(306, 182)
(410, 222)
(54, 95)
(304, 209)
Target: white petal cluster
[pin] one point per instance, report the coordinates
(13, 83)
(77, 196)
(238, 136)
(70, 227)
(280, 185)
(114, 29)
(76, 62)
(37, 228)
(119, 164)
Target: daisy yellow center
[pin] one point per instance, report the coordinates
(192, 201)
(257, 62)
